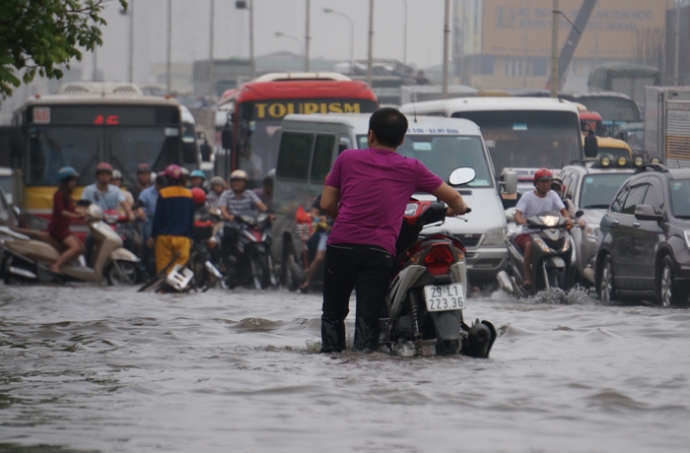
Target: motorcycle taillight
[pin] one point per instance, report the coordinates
(439, 259)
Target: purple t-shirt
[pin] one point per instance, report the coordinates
(375, 186)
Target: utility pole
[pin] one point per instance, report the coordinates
(251, 39)
(306, 39)
(370, 57)
(130, 69)
(677, 46)
(446, 47)
(405, 37)
(211, 87)
(554, 51)
(168, 64)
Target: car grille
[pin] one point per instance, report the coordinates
(469, 240)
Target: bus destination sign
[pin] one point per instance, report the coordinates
(278, 109)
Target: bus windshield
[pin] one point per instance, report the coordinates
(261, 123)
(612, 108)
(82, 136)
(528, 139)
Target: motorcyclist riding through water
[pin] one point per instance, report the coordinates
(233, 203)
(539, 201)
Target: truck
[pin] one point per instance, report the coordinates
(667, 125)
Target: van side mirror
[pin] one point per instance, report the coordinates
(646, 212)
(509, 182)
(226, 138)
(591, 146)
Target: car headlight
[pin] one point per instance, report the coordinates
(592, 231)
(495, 236)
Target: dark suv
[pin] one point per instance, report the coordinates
(645, 238)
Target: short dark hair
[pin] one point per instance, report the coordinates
(389, 126)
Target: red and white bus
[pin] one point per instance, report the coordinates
(256, 111)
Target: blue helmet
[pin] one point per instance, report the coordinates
(67, 172)
(198, 174)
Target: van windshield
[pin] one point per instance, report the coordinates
(444, 153)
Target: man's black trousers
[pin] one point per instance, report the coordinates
(367, 269)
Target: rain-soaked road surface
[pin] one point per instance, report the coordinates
(92, 369)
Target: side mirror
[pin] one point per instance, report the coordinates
(646, 212)
(591, 146)
(509, 181)
(579, 213)
(461, 176)
(226, 138)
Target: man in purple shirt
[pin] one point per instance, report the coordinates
(366, 194)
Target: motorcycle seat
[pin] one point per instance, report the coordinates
(41, 236)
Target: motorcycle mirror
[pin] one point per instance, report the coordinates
(461, 176)
(579, 213)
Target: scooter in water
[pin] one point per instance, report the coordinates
(427, 297)
(252, 262)
(28, 254)
(553, 257)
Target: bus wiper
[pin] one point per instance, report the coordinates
(597, 206)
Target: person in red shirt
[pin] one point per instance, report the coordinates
(64, 211)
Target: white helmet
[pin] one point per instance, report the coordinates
(239, 174)
(117, 174)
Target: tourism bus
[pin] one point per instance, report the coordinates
(522, 134)
(256, 111)
(86, 123)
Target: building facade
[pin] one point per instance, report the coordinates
(506, 44)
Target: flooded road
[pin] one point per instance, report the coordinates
(91, 369)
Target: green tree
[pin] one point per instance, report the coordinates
(38, 36)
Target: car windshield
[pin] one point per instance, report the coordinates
(529, 139)
(680, 198)
(613, 153)
(444, 153)
(598, 190)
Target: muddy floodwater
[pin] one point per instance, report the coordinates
(95, 369)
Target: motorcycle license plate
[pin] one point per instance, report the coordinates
(444, 297)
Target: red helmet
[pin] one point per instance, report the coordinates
(104, 166)
(542, 173)
(198, 195)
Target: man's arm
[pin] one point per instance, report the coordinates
(456, 205)
(519, 219)
(329, 201)
(226, 215)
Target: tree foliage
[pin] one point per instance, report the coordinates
(39, 36)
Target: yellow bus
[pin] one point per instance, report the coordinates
(86, 123)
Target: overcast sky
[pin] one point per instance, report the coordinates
(330, 33)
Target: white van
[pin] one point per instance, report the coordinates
(310, 144)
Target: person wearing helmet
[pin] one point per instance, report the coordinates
(539, 201)
(64, 211)
(144, 180)
(173, 220)
(117, 181)
(105, 195)
(266, 192)
(236, 202)
(197, 179)
(218, 186)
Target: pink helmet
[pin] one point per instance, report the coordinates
(174, 172)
